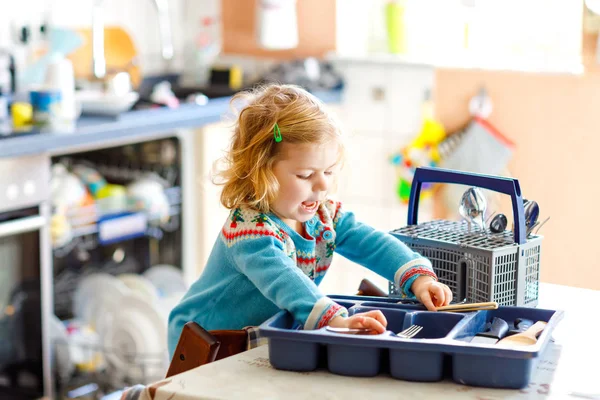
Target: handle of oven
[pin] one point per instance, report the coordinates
(22, 225)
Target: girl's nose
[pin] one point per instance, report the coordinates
(322, 183)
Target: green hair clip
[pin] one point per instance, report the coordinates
(277, 133)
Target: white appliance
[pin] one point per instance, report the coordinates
(25, 271)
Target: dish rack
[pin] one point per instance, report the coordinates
(135, 242)
(141, 243)
(87, 221)
(97, 375)
(477, 265)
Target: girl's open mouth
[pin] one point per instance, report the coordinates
(310, 206)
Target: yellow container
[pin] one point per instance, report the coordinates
(22, 114)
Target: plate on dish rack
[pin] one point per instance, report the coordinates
(135, 342)
(95, 295)
(167, 279)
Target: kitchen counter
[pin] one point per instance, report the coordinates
(567, 369)
(139, 125)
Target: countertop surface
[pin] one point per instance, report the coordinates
(95, 132)
(567, 369)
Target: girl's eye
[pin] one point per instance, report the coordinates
(328, 172)
(303, 176)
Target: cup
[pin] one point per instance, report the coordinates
(119, 84)
(46, 105)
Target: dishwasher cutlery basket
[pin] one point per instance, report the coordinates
(477, 265)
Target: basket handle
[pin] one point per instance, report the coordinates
(499, 184)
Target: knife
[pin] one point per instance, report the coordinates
(497, 331)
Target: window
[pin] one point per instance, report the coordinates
(526, 35)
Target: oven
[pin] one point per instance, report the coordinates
(25, 278)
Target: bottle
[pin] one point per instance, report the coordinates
(208, 47)
(61, 77)
(396, 32)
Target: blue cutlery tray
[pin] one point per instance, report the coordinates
(442, 348)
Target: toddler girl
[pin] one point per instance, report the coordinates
(278, 242)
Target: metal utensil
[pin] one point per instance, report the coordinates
(526, 338)
(472, 207)
(354, 331)
(494, 332)
(498, 224)
(490, 217)
(532, 213)
(410, 332)
(520, 325)
(540, 226)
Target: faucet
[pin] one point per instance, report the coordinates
(164, 26)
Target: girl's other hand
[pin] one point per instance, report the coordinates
(374, 320)
(431, 292)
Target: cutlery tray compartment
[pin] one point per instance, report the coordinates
(484, 365)
(435, 325)
(442, 349)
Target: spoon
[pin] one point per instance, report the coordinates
(472, 206)
(498, 223)
(526, 338)
(532, 213)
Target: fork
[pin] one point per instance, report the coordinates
(410, 332)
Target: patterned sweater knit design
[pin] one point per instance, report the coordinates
(259, 265)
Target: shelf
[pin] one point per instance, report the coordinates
(527, 65)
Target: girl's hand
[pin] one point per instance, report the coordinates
(431, 292)
(374, 320)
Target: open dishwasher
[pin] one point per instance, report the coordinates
(117, 251)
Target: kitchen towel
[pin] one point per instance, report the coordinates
(482, 149)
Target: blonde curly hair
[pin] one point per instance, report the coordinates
(247, 176)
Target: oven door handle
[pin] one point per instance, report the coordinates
(22, 225)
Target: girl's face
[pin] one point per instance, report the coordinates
(305, 173)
